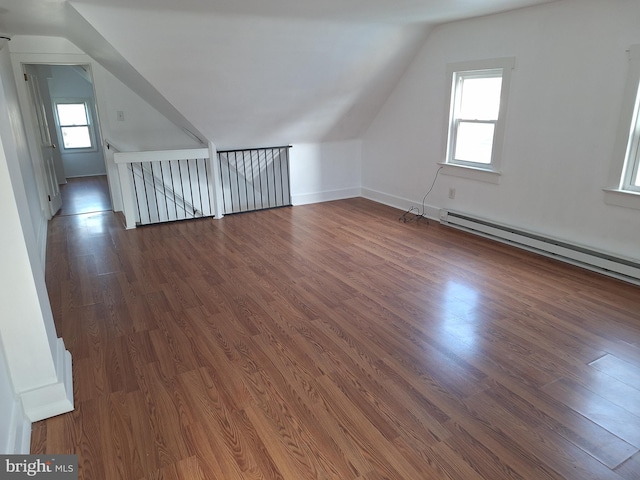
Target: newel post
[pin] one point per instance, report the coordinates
(216, 181)
(126, 187)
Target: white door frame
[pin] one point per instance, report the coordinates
(19, 60)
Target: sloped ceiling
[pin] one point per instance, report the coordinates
(249, 72)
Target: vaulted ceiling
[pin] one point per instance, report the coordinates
(248, 72)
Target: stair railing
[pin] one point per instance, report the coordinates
(167, 185)
(254, 179)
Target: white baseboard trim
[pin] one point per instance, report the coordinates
(41, 240)
(55, 398)
(400, 203)
(327, 196)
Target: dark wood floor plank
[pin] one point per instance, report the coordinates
(365, 437)
(608, 415)
(629, 469)
(217, 421)
(619, 369)
(617, 392)
(551, 415)
(85, 195)
(502, 423)
(302, 399)
(334, 342)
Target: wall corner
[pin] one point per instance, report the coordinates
(55, 398)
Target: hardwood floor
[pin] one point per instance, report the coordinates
(85, 195)
(332, 341)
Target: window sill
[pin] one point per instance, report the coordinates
(622, 198)
(68, 151)
(473, 173)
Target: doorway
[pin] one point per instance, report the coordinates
(68, 107)
(85, 195)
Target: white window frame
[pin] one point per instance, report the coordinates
(89, 125)
(477, 69)
(626, 156)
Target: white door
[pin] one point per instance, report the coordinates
(44, 137)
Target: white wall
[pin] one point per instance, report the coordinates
(261, 80)
(10, 409)
(564, 105)
(38, 366)
(143, 127)
(325, 171)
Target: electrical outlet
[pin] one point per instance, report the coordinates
(452, 193)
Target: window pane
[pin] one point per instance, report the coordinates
(474, 142)
(480, 98)
(72, 114)
(76, 137)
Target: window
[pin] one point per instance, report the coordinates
(631, 173)
(630, 177)
(475, 114)
(478, 96)
(74, 124)
(624, 175)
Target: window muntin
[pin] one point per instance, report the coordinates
(475, 112)
(75, 125)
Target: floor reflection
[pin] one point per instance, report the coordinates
(85, 195)
(459, 315)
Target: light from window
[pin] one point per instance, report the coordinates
(474, 116)
(623, 188)
(74, 125)
(631, 171)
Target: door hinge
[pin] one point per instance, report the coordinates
(26, 78)
(49, 197)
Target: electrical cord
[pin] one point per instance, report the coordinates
(405, 217)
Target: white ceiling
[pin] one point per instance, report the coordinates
(37, 16)
(250, 72)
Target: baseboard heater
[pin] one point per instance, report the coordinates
(602, 262)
